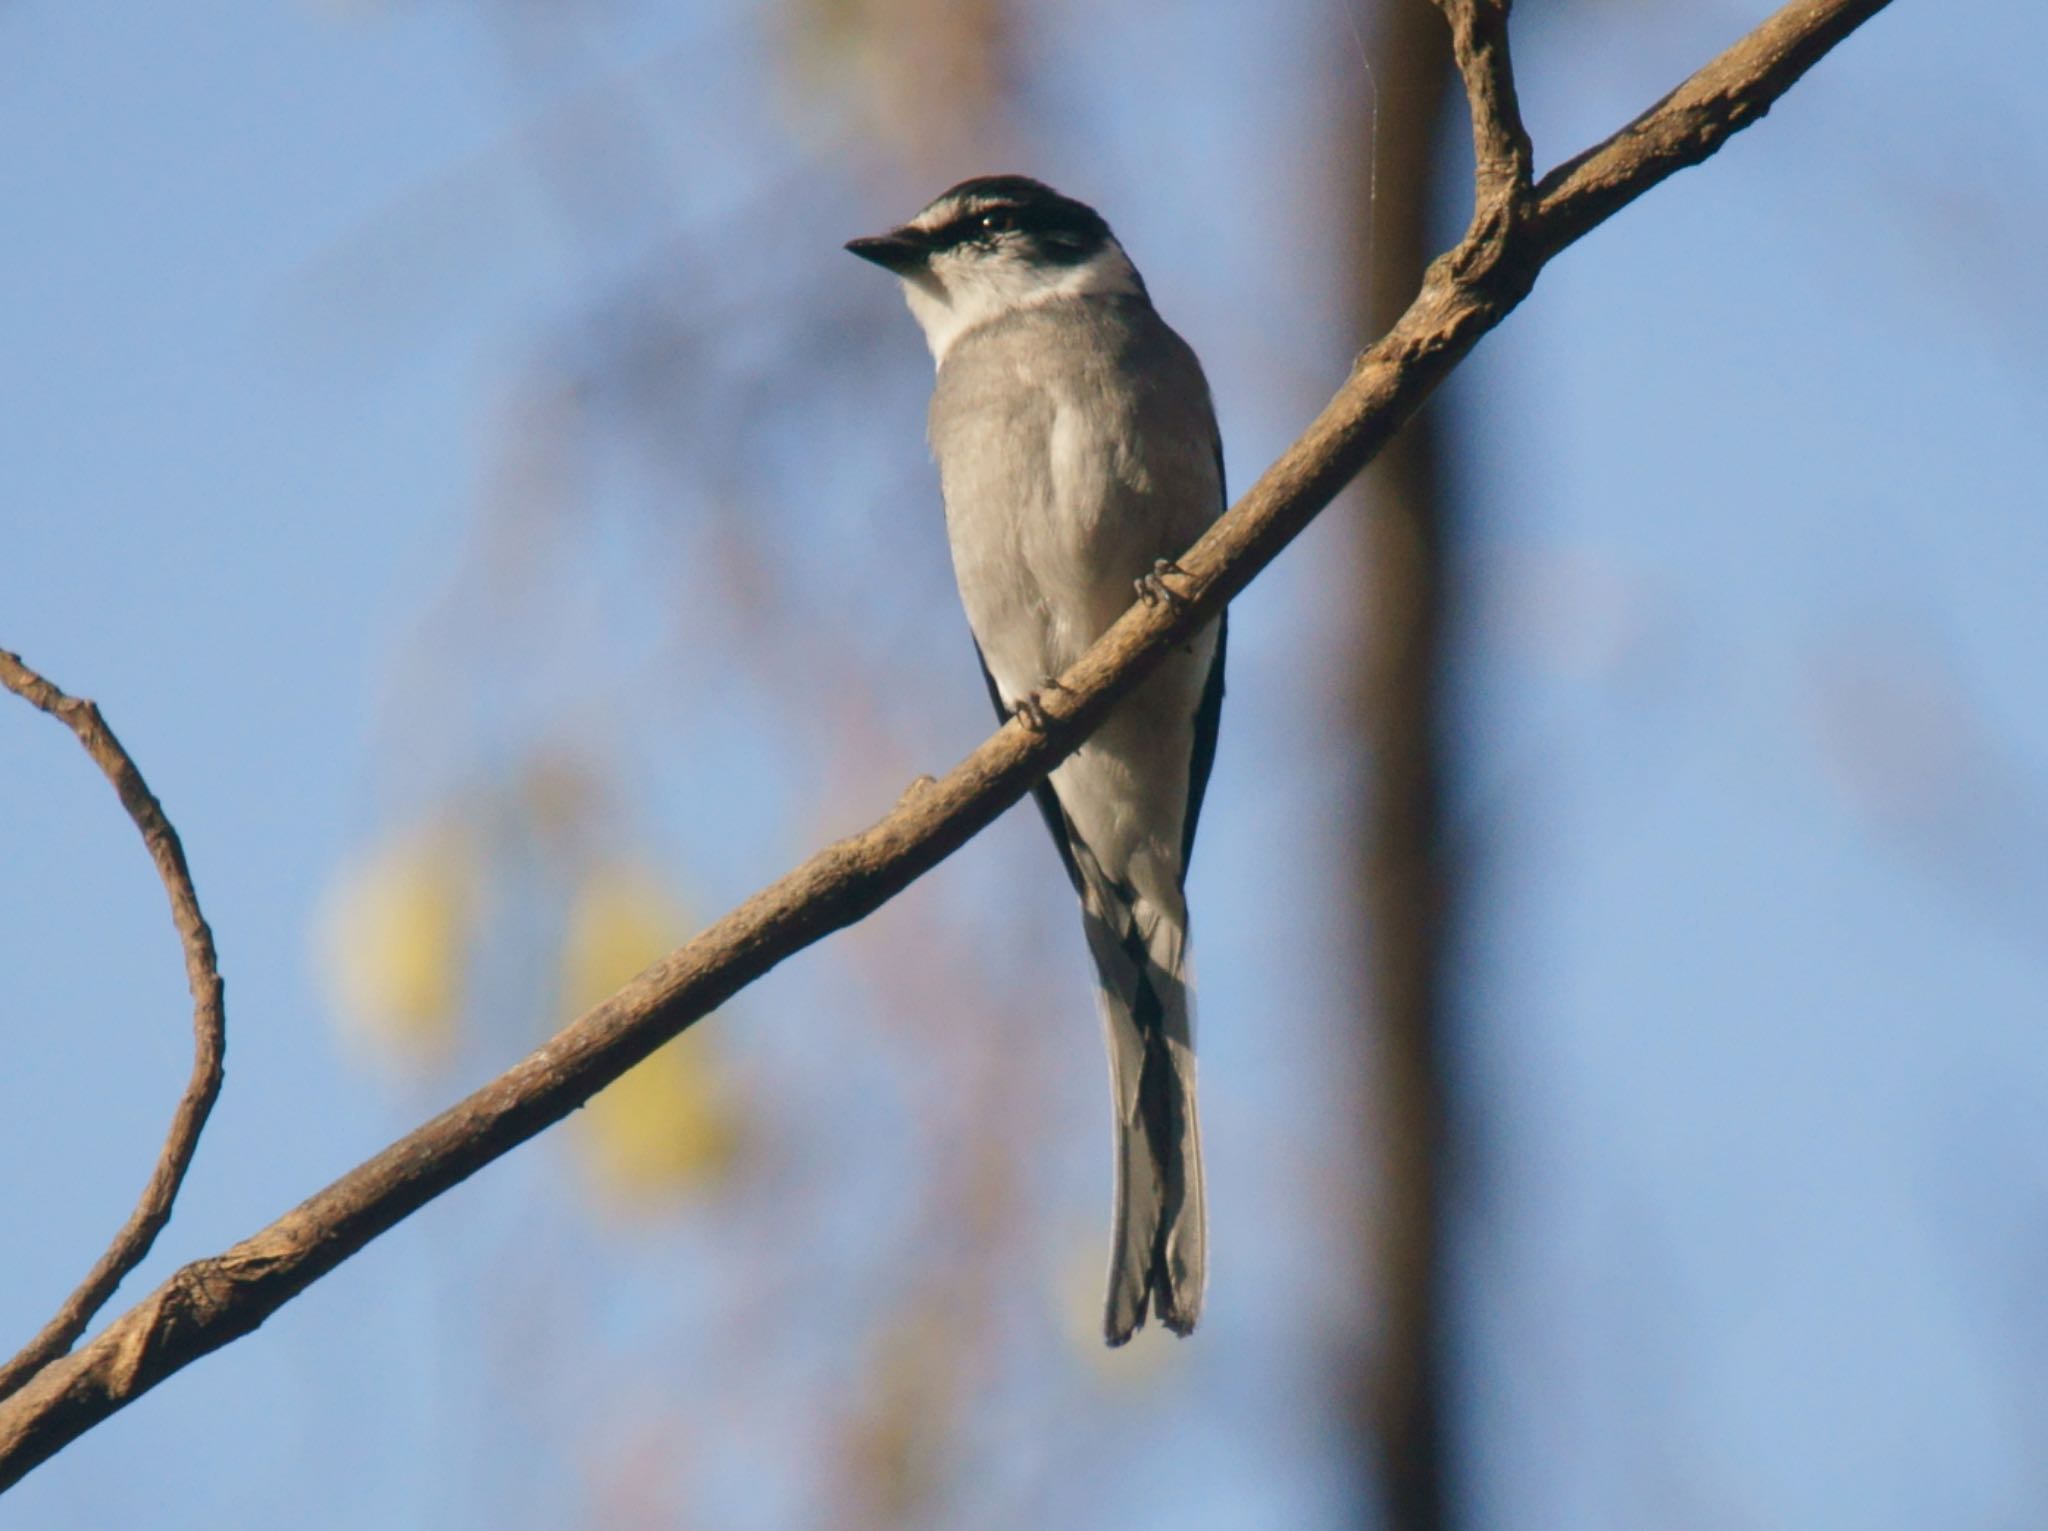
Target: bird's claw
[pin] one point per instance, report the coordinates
(1153, 589)
(1031, 711)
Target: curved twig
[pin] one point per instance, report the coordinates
(209, 1024)
(1515, 230)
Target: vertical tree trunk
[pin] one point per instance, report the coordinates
(1397, 152)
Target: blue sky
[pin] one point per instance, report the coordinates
(1753, 756)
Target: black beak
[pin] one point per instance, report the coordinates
(899, 250)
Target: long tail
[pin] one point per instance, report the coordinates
(1159, 1244)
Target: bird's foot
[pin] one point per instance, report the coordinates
(917, 789)
(1153, 589)
(1030, 710)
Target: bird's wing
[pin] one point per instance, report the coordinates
(1208, 723)
(1209, 713)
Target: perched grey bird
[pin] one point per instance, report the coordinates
(1077, 453)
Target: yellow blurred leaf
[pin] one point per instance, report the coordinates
(668, 1126)
(394, 943)
(620, 919)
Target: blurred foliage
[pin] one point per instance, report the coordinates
(925, 76)
(401, 936)
(395, 943)
(670, 1125)
(910, 1391)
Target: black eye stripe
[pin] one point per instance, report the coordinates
(957, 231)
(1053, 224)
(967, 227)
(1052, 228)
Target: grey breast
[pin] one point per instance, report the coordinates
(1075, 444)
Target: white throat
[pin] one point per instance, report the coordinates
(956, 294)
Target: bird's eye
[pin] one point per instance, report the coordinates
(998, 220)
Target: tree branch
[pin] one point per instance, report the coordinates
(1694, 120)
(209, 1023)
(1467, 292)
(1503, 161)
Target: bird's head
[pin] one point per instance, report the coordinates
(994, 245)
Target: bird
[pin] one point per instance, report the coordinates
(1078, 454)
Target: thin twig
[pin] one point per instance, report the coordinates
(210, 1302)
(1502, 159)
(209, 1023)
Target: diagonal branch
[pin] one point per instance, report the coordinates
(209, 1023)
(1694, 120)
(210, 1302)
